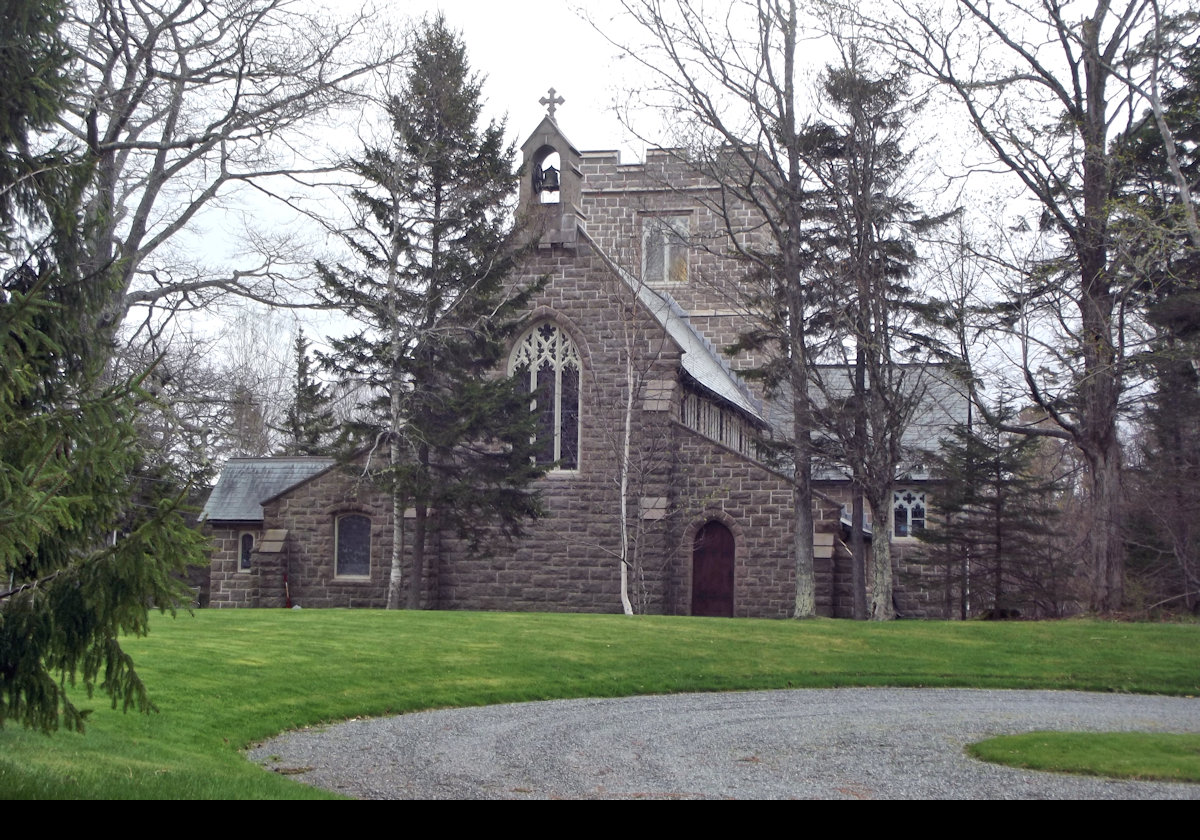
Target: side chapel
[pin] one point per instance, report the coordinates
(628, 326)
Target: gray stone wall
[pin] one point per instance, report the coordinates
(915, 592)
(308, 513)
(567, 561)
(229, 587)
(618, 198)
(714, 482)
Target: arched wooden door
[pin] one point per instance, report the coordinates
(712, 571)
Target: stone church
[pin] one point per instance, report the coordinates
(628, 328)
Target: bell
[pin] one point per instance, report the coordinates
(548, 181)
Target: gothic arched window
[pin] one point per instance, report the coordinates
(908, 514)
(546, 363)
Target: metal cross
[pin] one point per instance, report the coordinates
(551, 102)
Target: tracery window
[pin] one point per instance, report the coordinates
(353, 545)
(546, 363)
(908, 512)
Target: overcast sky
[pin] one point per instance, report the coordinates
(526, 47)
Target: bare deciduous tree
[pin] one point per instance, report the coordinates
(1046, 85)
(217, 397)
(826, 248)
(185, 104)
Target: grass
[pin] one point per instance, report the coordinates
(225, 679)
(1123, 755)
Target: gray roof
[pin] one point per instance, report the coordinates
(941, 404)
(245, 483)
(701, 360)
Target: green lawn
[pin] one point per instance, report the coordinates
(1123, 755)
(224, 679)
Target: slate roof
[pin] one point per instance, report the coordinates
(245, 483)
(942, 405)
(702, 361)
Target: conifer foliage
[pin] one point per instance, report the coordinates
(435, 248)
(997, 534)
(87, 545)
(309, 425)
(1164, 248)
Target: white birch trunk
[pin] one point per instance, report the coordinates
(626, 445)
(396, 572)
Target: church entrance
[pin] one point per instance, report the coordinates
(712, 571)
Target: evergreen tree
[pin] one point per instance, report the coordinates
(871, 321)
(1164, 267)
(436, 248)
(309, 424)
(865, 261)
(87, 542)
(995, 532)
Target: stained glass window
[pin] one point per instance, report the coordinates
(546, 363)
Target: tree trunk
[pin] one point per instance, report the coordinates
(858, 523)
(1102, 382)
(806, 595)
(416, 571)
(1103, 543)
(626, 445)
(395, 384)
(802, 420)
(396, 574)
(881, 563)
(802, 520)
(858, 561)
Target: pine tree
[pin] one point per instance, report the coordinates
(309, 424)
(865, 259)
(1165, 271)
(436, 248)
(995, 532)
(87, 542)
(872, 319)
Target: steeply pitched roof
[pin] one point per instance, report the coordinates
(701, 360)
(245, 483)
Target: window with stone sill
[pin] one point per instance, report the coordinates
(908, 512)
(245, 550)
(352, 546)
(665, 249)
(546, 364)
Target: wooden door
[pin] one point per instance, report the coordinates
(712, 571)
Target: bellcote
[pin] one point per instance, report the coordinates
(552, 183)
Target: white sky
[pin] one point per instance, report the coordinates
(528, 46)
(523, 48)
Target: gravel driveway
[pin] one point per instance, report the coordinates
(827, 744)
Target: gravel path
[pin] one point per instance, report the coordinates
(826, 744)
